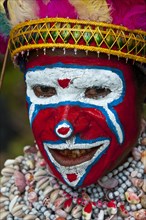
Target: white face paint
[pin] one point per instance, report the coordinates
(75, 92)
(80, 80)
(78, 170)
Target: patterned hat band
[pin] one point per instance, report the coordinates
(78, 35)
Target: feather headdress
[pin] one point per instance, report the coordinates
(20, 10)
(95, 10)
(131, 14)
(12, 13)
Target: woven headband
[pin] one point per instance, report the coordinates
(78, 35)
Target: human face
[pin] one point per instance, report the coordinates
(83, 115)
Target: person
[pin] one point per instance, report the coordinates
(85, 88)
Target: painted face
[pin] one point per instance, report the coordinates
(83, 116)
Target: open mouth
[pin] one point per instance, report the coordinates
(73, 152)
(73, 157)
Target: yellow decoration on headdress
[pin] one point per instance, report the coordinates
(78, 34)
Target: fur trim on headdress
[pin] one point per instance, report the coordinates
(95, 10)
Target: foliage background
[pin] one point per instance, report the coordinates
(15, 131)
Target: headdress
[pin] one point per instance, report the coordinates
(110, 27)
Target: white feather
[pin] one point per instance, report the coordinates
(22, 10)
(95, 10)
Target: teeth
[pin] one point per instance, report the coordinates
(74, 153)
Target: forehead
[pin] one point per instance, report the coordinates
(47, 69)
(87, 62)
(62, 71)
(80, 78)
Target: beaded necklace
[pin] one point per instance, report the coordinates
(30, 191)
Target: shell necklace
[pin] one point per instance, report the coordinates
(29, 191)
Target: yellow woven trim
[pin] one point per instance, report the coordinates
(78, 34)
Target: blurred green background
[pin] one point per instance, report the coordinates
(15, 131)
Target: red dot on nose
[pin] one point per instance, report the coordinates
(63, 130)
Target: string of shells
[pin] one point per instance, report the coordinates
(30, 191)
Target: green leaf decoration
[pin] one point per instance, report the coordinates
(77, 33)
(45, 36)
(22, 40)
(66, 33)
(120, 42)
(55, 33)
(110, 40)
(130, 44)
(98, 38)
(87, 37)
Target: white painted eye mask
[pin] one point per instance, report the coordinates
(80, 80)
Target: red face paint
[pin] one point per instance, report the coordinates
(80, 125)
(64, 83)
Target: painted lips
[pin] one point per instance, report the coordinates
(74, 160)
(72, 157)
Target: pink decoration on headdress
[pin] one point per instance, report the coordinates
(55, 8)
(3, 44)
(131, 14)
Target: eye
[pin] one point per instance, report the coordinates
(96, 92)
(44, 91)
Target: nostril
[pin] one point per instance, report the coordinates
(64, 129)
